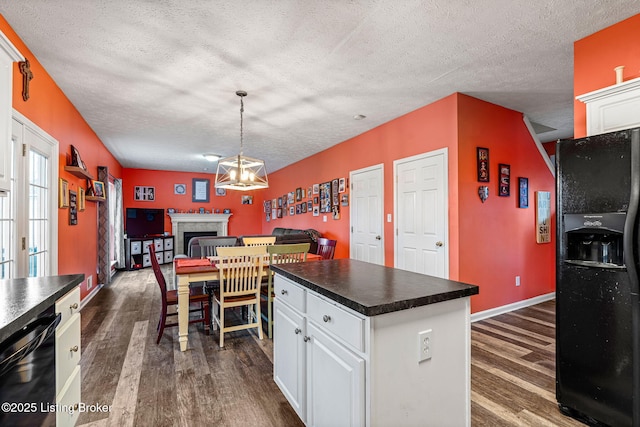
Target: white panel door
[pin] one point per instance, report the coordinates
(421, 213)
(367, 240)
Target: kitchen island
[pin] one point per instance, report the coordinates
(365, 345)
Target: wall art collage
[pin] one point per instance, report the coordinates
(504, 179)
(326, 197)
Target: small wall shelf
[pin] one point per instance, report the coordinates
(95, 199)
(79, 172)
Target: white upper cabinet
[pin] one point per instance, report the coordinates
(613, 108)
(8, 55)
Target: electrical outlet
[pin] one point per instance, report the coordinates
(425, 345)
(517, 280)
(89, 282)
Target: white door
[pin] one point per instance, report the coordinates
(367, 239)
(28, 214)
(421, 214)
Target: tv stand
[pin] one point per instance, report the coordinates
(136, 251)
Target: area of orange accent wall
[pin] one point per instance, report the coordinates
(244, 219)
(595, 58)
(497, 238)
(53, 112)
(428, 128)
(490, 243)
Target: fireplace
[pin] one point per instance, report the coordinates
(188, 235)
(210, 224)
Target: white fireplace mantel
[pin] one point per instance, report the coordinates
(181, 222)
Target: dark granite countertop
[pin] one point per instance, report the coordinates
(22, 300)
(373, 289)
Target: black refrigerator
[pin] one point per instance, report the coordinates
(597, 303)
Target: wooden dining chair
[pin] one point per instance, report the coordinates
(170, 298)
(280, 254)
(326, 247)
(240, 272)
(259, 241)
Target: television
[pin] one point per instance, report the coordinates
(142, 222)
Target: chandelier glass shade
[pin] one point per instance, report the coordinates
(241, 172)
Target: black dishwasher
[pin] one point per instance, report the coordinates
(27, 374)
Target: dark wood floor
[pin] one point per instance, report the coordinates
(157, 385)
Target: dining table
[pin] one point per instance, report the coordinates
(189, 270)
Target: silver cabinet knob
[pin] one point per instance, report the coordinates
(378, 237)
(297, 331)
(306, 339)
(74, 349)
(326, 318)
(439, 244)
(284, 292)
(73, 306)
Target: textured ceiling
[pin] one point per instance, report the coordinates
(156, 79)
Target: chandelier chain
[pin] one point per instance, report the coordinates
(241, 125)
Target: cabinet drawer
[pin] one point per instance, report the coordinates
(168, 256)
(67, 350)
(336, 321)
(289, 292)
(146, 260)
(158, 244)
(136, 248)
(160, 257)
(145, 246)
(168, 244)
(68, 305)
(70, 397)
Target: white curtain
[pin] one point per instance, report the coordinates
(119, 225)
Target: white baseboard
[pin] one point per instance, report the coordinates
(91, 294)
(481, 315)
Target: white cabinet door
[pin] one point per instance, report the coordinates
(289, 366)
(335, 376)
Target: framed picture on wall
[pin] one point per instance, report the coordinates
(504, 185)
(200, 190)
(81, 199)
(63, 194)
(482, 156)
(73, 208)
(523, 192)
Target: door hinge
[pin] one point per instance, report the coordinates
(24, 243)
(396, 231)
(24, 150)
(352, 228)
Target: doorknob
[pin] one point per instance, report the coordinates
(378, 237)
(439, 244)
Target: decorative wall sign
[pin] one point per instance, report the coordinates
(73, 208)
(145, 194)
(523, 192)
(221, 191)
(180, 189)
(543, 217)
(200, 190)
(483, 164)
(504, 187)
(483, 192)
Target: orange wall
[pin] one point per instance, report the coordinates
(426, 129)
(597, 55)
(244, 218)
(497, 239)
(50, 109)
(490, 243)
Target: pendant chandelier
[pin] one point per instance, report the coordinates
(241, 172)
